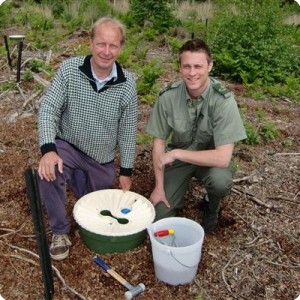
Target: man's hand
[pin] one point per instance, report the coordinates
(166, 159)
(125, 183)
(47, 166)
(159, 196)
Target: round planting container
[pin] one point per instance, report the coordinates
(113, 220)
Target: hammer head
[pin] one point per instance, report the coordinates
(135, 291)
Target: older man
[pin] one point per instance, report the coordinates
(89, 110)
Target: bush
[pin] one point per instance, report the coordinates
(250, 44)
(157, 13)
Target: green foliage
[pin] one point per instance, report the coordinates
(263, 132)
(249, 43)
(144, 139)
(175, 45)
(150, 34)
(82, 13)
(36, 18)
(5, 13)
(150, 73)
(287, 143)
(290, 89)
(158, 13)
(253, 137)
(36, 65)
(269, 130)
(5, 86)
(28, 76)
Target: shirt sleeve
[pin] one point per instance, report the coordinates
(51, 107)
(158, 125)
(128, 129)
(228, 127)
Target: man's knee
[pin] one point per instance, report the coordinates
(219, 183)
(161, 211)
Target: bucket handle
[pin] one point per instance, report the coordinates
(190, 267)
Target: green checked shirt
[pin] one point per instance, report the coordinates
(96, 122)
(211, 120)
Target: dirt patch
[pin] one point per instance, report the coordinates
(255, 253)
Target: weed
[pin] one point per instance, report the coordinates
(287, 143)
(150, 73)
(269, 130)
(144, 139)
(28, 76)
(253, 137)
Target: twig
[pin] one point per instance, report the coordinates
(48, 59)
(284, 198)
(11, 231)
(253, 198)
(21, 91)
(243, 178)
(32, 97)
(282, 265)
(223, 273)
(53, 267)
(252, 242)
(238, 214)
(40, 80)
(286, 153)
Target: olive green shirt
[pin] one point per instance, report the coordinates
(210, 121)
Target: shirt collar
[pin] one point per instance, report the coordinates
(202, 96)
(113, 74)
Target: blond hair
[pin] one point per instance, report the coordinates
(113, 22)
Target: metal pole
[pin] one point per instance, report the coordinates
(40, 233)
(20, 48)
(7, 51)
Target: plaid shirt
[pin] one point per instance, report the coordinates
(94, 122)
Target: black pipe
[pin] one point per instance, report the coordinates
(7, 51)
(20, 48)
(40, 233)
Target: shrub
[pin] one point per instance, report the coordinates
(158, 13)
(249, 43)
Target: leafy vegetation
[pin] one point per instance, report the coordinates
(253, 42)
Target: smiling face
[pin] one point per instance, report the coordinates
(195, 68)
(105, 47)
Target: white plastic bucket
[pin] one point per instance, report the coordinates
(176, 263)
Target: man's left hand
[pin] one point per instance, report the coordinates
(125, 183)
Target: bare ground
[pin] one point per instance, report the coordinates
(254, 254)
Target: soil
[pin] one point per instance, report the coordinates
(254, 254)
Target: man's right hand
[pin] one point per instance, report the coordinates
(47, 166)
(159, 196)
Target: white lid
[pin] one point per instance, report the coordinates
(17, 36)
(138, 210)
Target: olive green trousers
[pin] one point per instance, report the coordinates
(217, 182)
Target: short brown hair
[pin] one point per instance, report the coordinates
(113, 22)
(196, 45)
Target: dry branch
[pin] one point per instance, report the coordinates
(32, 97)
(284, 199)
(286, 154)
(11, 231)
(223, 273)
(40, 80)
(256, 200)
(65, 285)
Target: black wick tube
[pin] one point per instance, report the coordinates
(7, 51)
(20, 48)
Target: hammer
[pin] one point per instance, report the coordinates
(132, 290)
